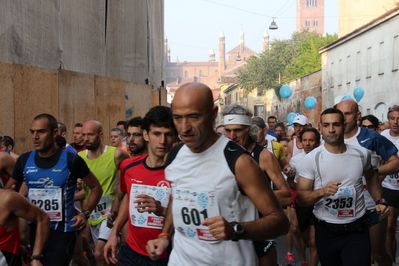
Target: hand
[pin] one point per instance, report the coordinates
(288, 171)
(156, 247)
(110, 250)
(36, 263)
(331, 188)
(148, 204)
(219, 228)
(382, 210)
(80, 221)
(111, 219)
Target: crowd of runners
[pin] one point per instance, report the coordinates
(174, 188)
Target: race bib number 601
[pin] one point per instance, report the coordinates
(190, 209)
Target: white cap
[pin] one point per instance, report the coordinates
(301, 119)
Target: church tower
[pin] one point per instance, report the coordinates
(222, 54)
(310, 15)
(242, 41)
(211, 55)
(265, 41)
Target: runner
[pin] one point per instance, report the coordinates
(147, 193)
(51, 175)
(207, 174)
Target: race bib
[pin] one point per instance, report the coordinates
(393, 179)
(190, 209)
(147, 219)
(103, 208)
(49, 200)
(343, 203)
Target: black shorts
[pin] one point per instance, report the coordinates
(263, 247)
(129, 257)
(59, 247)
(305, 217)
(391, 196)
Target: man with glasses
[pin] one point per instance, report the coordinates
(134, 137)
(391, 182)
(383, 149)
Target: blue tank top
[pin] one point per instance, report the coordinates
(54, 179)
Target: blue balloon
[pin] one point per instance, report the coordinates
(290, 118)
(310, 102)
(346, 97)
(358, 93)
(285, 91)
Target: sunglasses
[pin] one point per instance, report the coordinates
(368, 126)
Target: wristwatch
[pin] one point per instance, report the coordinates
(238, 230)
(87, 214)
(36, 257)
(382, 202)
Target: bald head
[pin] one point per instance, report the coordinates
(93, 125)
(348, 104)
(350, 109)
(194, 92)
(92, 133)
(194, 115)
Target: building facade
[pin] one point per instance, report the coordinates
(310, 15)
(367, 57)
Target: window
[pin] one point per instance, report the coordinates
(381, 59)
(307, 23)
(348, 69)
(369, 63)
(315, 23)
(185, 74)
(200, 73)
(358, 66)
(259, 110)
(311, 3)
(395, 53)
(340, 72)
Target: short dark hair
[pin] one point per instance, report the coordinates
(272, 117)
(310, 129)
(52, 122)
(78, 125)
(135, 122)
(280, 124)
(61, 127)
(285, 139)
(8, 141)
(60, 141)
(158, 116)
(374, 120)
(122, 123)
(333, 111)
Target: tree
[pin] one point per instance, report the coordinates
(286, 60)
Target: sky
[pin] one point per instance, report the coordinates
(193, 26)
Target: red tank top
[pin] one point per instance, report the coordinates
(10, 240)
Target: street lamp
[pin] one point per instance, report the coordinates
(273, 25)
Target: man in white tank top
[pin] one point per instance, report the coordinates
(331, 178)
(295, 146)
(216, 186)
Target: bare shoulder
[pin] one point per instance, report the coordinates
(6, 158)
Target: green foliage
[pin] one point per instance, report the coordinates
(286, 60)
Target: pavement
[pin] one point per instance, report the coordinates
(281, 246)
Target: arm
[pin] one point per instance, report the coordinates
(375, 189)
(115, 207)
(7, 163)
(390, 167)
(156, 247)
(95, 195)
(270, 165)
(120, 155)
(252, 182)
(306, 196)
(21, 207)
(110, 247)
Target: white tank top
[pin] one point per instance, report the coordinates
(204, 186)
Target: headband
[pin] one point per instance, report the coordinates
(237, 120)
